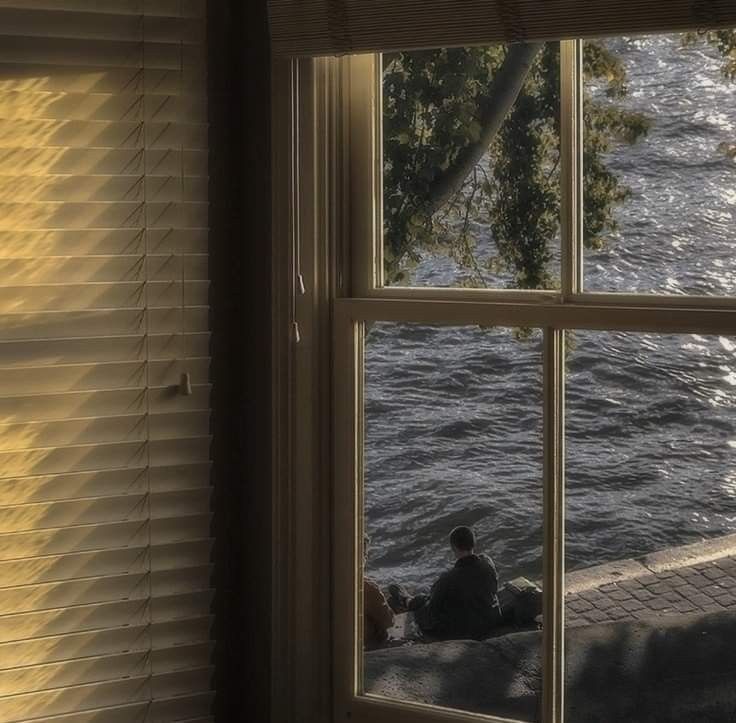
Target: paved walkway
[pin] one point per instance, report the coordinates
(690, 579)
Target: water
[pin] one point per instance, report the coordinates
(676, 233)
(453, 415)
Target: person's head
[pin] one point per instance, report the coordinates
(462, 541)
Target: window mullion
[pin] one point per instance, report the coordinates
(365, 184)
(554, 527)
(571, 167)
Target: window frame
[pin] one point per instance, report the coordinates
(338, 201)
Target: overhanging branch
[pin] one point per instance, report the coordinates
(497, 102)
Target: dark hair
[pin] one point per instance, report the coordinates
(462, 538)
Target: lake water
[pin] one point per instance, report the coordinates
(453, 415)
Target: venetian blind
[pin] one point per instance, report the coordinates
(105, 549)
(335, 27)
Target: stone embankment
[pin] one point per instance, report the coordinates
(648, 640)
(681, 580)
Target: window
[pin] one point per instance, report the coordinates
(402, 346)
(391, 334)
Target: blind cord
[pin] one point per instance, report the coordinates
(147, 352)
(185, 380)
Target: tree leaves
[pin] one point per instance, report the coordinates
(434, 101)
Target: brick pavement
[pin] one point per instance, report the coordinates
(702, 587)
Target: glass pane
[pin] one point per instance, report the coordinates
(651, 517)
(471, 167)
(453, 442)
(660, 170)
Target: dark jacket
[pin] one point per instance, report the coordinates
(463, 602)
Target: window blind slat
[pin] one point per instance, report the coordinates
(53, 649)
(122, 268)
(79, 458)
(100, 510)
(38, 77)
(131, 106)
(34, 461)
(24, 21)
(55, 568)
(75, 619)
(98, 295)
(131, 560)
(42, 216)
(101, 376)
(97, 617)
(176, 710)
(129, 480)
(35, 352)
(101, 242)
(111, 322)
(14, 709)
(52, 596)
(40, 133)
(48, 407)
(151, 8)
(325, 27)
(104, 669)
(92, 430)
(99, 535)
(81, 188)
(93, 162)
(73, 53)
(105, 589)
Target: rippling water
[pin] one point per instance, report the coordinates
(453, 415)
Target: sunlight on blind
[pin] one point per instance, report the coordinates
(105, 547)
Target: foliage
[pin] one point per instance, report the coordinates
(725, 42)
(434, 104)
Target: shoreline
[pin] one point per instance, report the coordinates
(659, 631)
(666, 560)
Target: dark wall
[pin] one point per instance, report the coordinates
(240, 297)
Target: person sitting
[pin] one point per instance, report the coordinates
(377, 615)
(463, 603)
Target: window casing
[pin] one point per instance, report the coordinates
(346, 292)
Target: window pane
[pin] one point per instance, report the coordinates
(660, 164)
(453, 439)
(471, 167)
(651, 517)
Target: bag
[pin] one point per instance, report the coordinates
(520, 601)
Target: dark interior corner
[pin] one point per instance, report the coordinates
(240, 267)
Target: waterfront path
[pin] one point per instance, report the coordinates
(697, 578)
(647, 640)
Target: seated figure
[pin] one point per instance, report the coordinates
(463, 603)
(377, 615)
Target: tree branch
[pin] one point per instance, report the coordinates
(496, 103)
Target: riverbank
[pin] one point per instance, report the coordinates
(676, 669)
(698, 578)
(647, 639)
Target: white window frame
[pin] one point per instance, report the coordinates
(333, 230)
